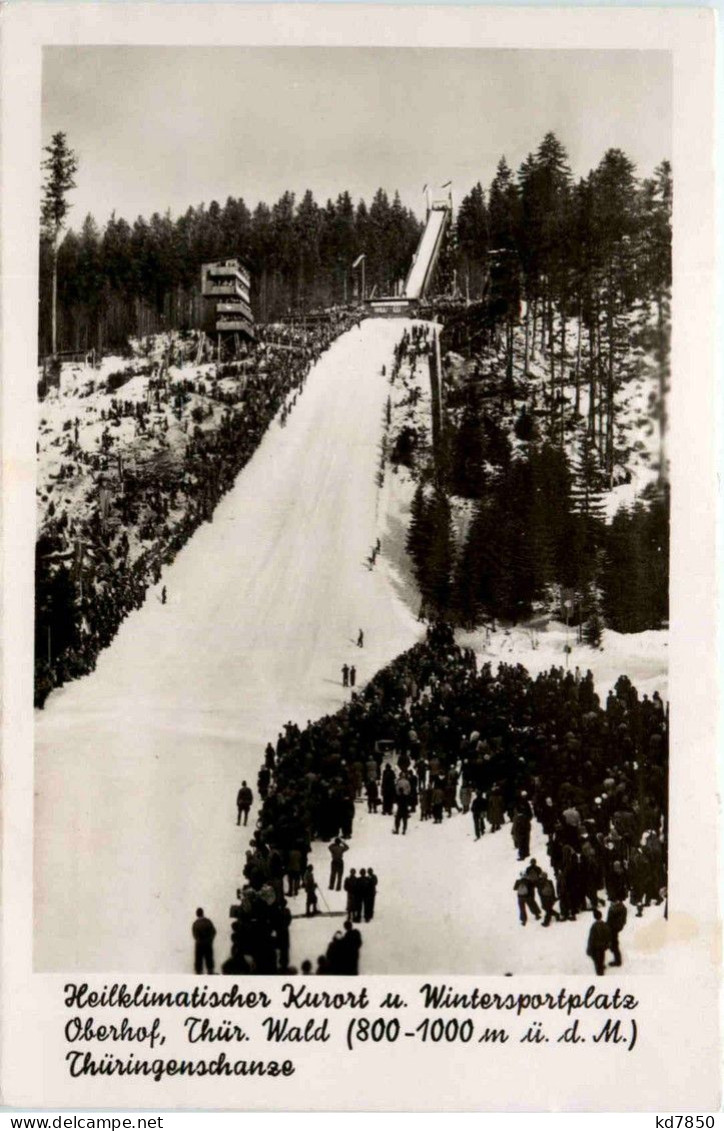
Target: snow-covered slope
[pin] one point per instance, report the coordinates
(137, 765)
(445, 905)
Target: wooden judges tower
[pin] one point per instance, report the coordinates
(225, 286)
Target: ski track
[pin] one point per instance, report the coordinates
(137, 765)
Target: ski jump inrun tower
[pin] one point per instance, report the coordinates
(422, 269)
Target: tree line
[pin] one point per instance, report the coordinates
(576, 257)
(127, 280)
(532, 542)
(574, 277)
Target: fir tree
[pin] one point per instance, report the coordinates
(60, 166)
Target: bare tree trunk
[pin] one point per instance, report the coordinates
(551, 346)
(54, 301)
(535, 323)
(662, 389)
(591, 381)
(600, 396)
(609, 393)
(509, 362)
(578, 358)
(526, 345)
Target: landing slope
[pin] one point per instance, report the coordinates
(137, 765)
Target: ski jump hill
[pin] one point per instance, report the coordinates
(428, 251)
(424, 263)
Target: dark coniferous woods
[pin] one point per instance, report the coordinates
(567, 289)
(543, 274)
(129, 280)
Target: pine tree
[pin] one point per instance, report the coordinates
(472, 241)
(525, 426)
(587, 490)
(504, 222)
(592, 622)
(440, 561)
(654, 255)
(416, 523)
(60, 165)
(467, 471)
(616, 217)
(466, 586)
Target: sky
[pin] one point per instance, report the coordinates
(164, 128)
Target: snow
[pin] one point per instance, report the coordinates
(68, 478)
(445, 904)
(638, 446)
(540, 645)
(138, 764)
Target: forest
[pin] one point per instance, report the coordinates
(557, 286)
(577, 279)
(129, 280)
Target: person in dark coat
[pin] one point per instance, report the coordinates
(437, 800)
(373, 796)
(262, 781)
(478, 811)
(351, 886)
(637, 870)
(521, 834)
(204, 933)
(334, 960)
(616, 919)
(496, 812)
(244, 799)
(547, 892)
(402, 813)
(310, 886)
(533, 873)
(616, 882)
(590, 873)
(369, 895)
(388, 790)
(345, 675)
(599, 941)
(337, 850)
(565, 900)
(524, 891)
(359, 886)
(283, 922)
(352, 944)
(346, 815)
(294, 871)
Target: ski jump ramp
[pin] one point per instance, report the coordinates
(426, 256)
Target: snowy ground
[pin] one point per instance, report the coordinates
(637, 434)
(540, 645)
(137, 765)
(445, 904)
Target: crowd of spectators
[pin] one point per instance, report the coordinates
(432, 734)
(94, 568)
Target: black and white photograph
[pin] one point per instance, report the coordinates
(359, 606)
(352, 510)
